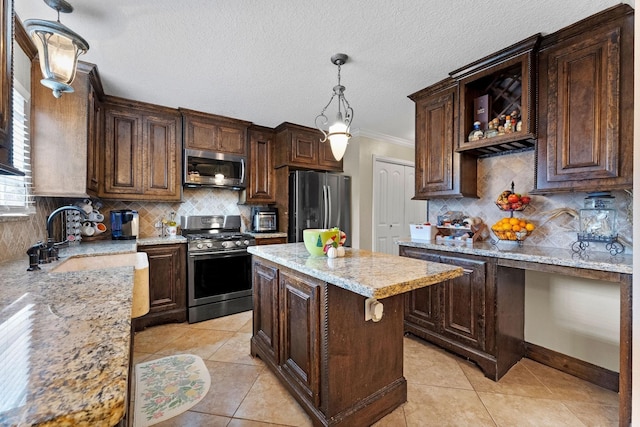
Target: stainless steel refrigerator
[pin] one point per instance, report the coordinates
(319, 200)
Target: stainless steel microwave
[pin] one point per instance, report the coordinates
(211, 169)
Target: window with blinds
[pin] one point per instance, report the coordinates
(15, 191)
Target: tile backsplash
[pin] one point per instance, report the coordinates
(17, 235)
(196, 201)
(495, 175)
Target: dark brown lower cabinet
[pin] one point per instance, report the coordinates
(343, 370)
(167, 285)
(479, 315)
(300, 351)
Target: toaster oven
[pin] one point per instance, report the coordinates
(265, 220)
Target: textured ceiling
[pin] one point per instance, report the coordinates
(269, 61)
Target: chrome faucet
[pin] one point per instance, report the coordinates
(51, 252)
(53, 214)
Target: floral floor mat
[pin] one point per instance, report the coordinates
(167, 387)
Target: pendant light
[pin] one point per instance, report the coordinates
(58, 49)
(338, 134)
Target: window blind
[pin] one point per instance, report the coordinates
(16, 197)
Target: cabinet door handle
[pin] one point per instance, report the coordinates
(467, 271)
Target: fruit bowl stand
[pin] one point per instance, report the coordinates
(516, 206)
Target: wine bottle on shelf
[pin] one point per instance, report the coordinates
(476, 134)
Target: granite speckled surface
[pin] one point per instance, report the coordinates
(590, 260)
(267, 235)
(148, 241)
(370, 274)
(68, 335)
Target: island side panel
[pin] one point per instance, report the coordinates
(509, 335)
(266, 319)
(362, 361)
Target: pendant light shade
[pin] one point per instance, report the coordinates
(338, 138)
(338, 134)
(58, 49)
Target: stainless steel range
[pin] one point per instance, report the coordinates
(218, 266)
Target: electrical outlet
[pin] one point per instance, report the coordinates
(373, 310)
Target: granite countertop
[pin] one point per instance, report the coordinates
(262, 235)
(65, 341)
(148, 241)
(370, 274)
(590, 260)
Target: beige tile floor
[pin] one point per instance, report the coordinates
(443, 389)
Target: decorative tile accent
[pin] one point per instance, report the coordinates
(495, 175)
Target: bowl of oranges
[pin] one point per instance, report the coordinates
(514, 229)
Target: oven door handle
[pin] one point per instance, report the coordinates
(219, 254)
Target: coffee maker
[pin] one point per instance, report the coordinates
(124, 224)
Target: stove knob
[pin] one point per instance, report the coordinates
(238, 243)
(227, 244)
(246, 243)
(199, 246)
(209, 245)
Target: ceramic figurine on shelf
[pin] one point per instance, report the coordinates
(516, 123)
(476, 134)
(507, 125)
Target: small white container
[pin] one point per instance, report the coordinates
(423, 232)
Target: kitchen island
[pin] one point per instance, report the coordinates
(65, 338)
(310, 327)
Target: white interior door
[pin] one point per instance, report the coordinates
(393, 208)
(388, 195)
(415, 211)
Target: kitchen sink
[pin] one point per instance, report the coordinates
(137, 260)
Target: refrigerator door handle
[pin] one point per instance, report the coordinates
(329, 209)
(324, 206)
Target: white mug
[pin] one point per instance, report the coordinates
(87, 229)
(96, 216)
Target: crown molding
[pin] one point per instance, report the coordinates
(383, 137)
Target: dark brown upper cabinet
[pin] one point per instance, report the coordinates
(210, 132)
(142, 151)
(506, 79)
(299, 147)
(440, 172)
(261, 174)
(586, 105)
(69, 124)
